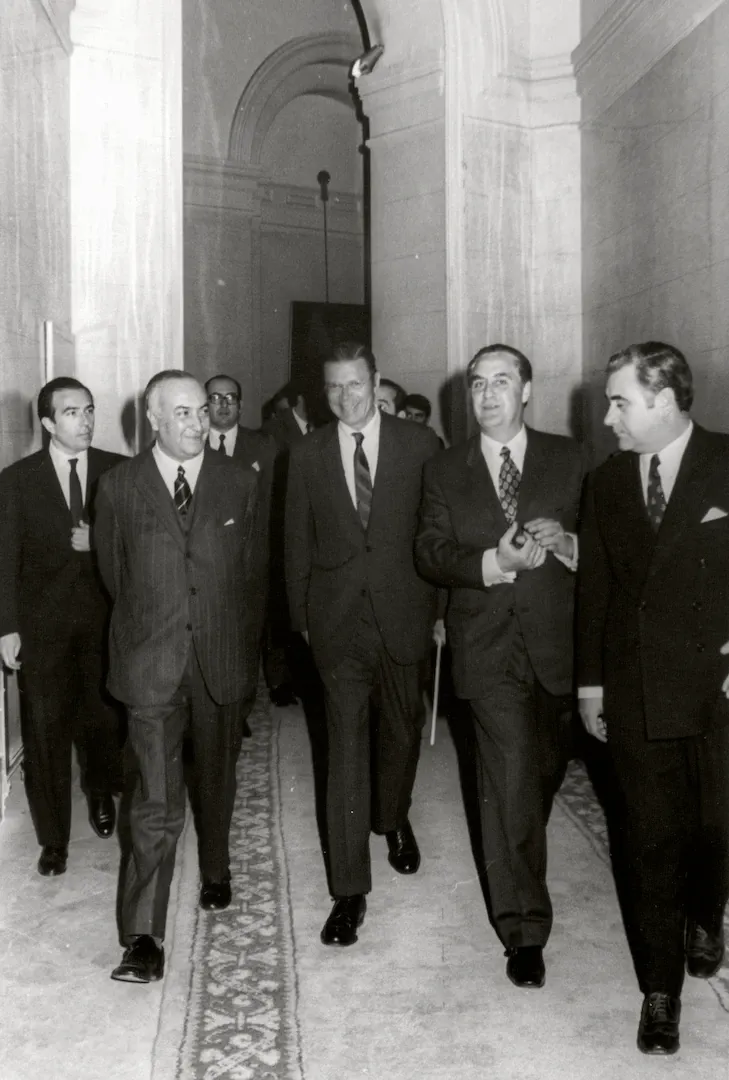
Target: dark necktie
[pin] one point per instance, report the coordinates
(508, 485)
(183, 495)
(76, 499)
(655, 499)
(221, 444)
(362, 480)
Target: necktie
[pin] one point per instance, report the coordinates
(362, 480)
(508, 485)
(183, 495)
(221, 444)
(655, 499)
(76, 499)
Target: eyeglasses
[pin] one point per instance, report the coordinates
(231, 398)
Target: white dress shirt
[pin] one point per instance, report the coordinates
(231, 436)
(303, 424)
(60, 459)
(168, 468)
(370, 445)
(669, 462)
(491, 450)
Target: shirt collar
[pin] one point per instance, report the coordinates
(370, 430)
(670, 456)
(59, 456)
(168, 466)
(517, 445)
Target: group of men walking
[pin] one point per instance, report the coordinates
(382, 533)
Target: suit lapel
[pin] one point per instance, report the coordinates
(49, 480)
(483, 491)
(684, 505)
(205, 500)
(150, 483)
(386, 475)
(534, 477)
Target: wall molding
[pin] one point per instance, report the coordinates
(627, 41)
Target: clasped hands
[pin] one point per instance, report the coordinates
(542, 536)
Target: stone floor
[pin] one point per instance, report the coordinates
(422, 996)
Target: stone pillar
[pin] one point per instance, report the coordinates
(405, 109)
(126, 203)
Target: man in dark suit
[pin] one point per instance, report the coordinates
(495, 529)
(255, 450)
(53, 614)
(353, 495)
(653, 614)
(175, 531)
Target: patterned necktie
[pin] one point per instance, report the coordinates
(509, 478)
(362, 480)
(655, 499)
(221, 444)
(76, 499)
(183, 495)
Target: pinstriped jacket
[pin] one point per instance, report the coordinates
(173, 588)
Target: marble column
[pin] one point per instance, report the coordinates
(126, 203)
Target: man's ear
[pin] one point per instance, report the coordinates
(48, 424)
(526, 393)
(377, 380)
(152, 420)
(665, 401)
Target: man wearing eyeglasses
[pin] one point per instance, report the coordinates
(255, 450)
(351, 514)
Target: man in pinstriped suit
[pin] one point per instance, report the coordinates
(175, 532)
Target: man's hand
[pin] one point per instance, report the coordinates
(591, 716)
(510, 558)
(81, 537)
(551, 536)
(9, 649)
(724, 650)
(439, 632)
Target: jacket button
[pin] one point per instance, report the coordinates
(363, 592)
(702, 563)
(700, 647)
(642, 605)
(697, 605)
(368, 548)
(193, 591)
(512, 611)
(189, 626)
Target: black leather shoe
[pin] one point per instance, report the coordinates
(52, 861)
(525, 966)
(102, 814)
(142, 962)
(215, 895)
(341, 927)
(283, 695)
(658, 1028)
(704, 951)
(404, 854)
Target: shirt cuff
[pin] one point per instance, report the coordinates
(571, 564)
(492, 573)
(589, 691)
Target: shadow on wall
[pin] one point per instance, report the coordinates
(134, 424)
(18, 425)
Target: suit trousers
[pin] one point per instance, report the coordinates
(671, 851)
(522, 744)
(157, 810)
(64, 701)
(370, 780)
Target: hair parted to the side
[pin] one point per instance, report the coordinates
(222, 375)
(347, 351)
(523, 364)
(45, 396)
(419, 402)
(151, 390)
(658, 366)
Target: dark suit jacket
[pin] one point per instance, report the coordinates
(653, 610)
(331, 561)
(172, 587)
(461, 517)
(42, 579)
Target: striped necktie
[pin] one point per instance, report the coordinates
(362, 480)
(509, 478)
(655, 498)
(221, 444)
(183, 494)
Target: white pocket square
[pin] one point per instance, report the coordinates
(713, 515)
(230, 521)
(256, 466)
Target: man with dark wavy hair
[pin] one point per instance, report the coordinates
(653, 615)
